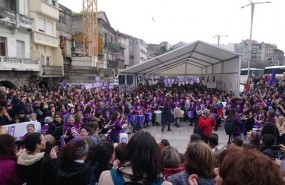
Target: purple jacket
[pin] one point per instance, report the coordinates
(44, 129)
(116, 128)
(9, 174)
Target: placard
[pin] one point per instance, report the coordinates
(18, 130)
(89, 86)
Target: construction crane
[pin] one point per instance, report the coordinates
(219, 36)
(90, 28)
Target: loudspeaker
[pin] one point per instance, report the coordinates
(121, 79)
(130, 79)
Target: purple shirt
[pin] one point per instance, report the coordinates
(44, 129)
(115, 128)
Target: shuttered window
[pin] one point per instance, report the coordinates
(20, 49)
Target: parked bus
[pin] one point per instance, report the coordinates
(279, 70)
(252, 71)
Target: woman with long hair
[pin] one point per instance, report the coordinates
(9, 173)
(101, 157)
(142, 164)
(232, 125)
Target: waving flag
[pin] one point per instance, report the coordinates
(272, 79)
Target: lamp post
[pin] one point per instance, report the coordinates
(219, 37)
(252, 4)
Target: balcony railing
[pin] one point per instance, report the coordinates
(113, 47)
(14, 19)
(112, 64)
(18, 64)
(41, 38)
(52, 71)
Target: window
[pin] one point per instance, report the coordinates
(49, 28)
(2, 46)
(8, 4)
(105, 39)
(62, 18)
(48, 61)
(20, 49)
(41, 25)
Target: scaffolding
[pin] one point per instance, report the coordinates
(90, 28)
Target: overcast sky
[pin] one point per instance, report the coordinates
(155, 21)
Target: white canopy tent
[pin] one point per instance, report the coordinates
(199, 58)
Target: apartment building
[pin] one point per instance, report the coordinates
(45, 48)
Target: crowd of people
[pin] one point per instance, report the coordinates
(79, 140)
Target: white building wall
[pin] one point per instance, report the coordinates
(12, 37)
(23, 7)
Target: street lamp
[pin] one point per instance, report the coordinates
(219, 36)
(252, 4)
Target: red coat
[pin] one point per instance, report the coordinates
(206, 124)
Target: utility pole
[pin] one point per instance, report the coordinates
(219, 37)
(252, 4)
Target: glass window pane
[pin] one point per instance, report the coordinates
(49, 30)
(41, 25)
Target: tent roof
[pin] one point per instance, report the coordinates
(196, 55)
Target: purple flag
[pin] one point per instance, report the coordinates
(272, 79)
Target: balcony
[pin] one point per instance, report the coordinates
(120, 58)
(52, 71)
(113, 47)
(44, 7)
(14, 19)
(112, 64)
(44, 39)
(17, 64)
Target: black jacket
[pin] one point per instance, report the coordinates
(37, 169)
(74, 174)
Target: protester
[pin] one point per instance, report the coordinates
(199, 160)
(139, 165)
(102, 157)
(171, 161)
(9, 172)
(35, 167)
(72, 169)
(245, 166)
(206, 123)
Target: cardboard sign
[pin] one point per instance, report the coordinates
(18, 130)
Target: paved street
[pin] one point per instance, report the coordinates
(180, 137)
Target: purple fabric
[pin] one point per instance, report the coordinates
(115, 129)
(137, 108)
(141, 118)
(192, 106)
(176, 103)
(69, 128)
(44, 129)
(9, 175)
(238, 122)
(239, 107)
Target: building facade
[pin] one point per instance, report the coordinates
(45, 48)
(139, 51)
(263, 54)
(154, 50)
(64, 28)
(16, 64)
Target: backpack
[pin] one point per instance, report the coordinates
(119, 180)
(230, 127)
